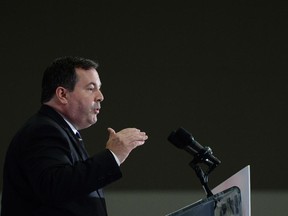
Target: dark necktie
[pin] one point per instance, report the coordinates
(98, 193)
(84, 153)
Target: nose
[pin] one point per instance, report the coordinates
(99, 96)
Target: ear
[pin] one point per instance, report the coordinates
(61, 94)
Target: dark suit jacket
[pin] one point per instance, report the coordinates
(47, 173)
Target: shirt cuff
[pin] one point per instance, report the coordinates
(116, 158)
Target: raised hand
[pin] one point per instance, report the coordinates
(123, 142)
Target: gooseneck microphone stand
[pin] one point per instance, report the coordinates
(201, 155)
(201, 158)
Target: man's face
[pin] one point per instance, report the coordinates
(84, 101)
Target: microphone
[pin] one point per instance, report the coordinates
(184, 140)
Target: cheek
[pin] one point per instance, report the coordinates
(85, 107)
(82, 105)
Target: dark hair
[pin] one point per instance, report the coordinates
(62, 73)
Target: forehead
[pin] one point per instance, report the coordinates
(86, 77)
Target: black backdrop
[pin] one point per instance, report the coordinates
(216, 68)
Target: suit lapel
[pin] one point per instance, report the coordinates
(78, 147)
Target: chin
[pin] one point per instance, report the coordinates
(93, 121)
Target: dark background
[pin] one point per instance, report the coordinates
(216, 68)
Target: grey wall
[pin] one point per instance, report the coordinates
(218, 69)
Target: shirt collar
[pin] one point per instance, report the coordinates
(71, 126)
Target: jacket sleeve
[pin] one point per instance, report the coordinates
(54, 175)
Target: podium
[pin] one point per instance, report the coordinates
(231, 198)
(225, 203)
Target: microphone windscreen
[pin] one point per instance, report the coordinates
(180, 138)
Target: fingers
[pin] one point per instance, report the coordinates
(133, 136)
(141, 137)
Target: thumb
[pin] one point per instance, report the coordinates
(111, 131)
